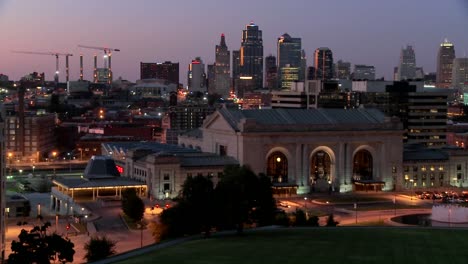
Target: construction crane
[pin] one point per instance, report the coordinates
(56, 54)
(107, 55)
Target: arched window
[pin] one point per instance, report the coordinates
(320, 167)
(362, 165)
(277, 167)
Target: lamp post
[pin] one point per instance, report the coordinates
(69, 160)
(54, 154)
(411, 188)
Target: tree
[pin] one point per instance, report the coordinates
(99, 247)
(313, 221)
(242, 197)
(331, 221)
(132, 205)
(192, 214)
(300, 218)
(36, 246)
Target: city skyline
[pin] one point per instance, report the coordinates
(362, 33)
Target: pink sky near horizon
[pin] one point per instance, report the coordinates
(362, 32)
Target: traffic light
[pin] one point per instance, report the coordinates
(167, 206)
(157, 205)
(68, 227)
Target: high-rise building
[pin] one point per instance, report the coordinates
(407, 67)
(323, 63)
(251, 55)
(222, 82)
(236, 69)
(343, 70)
(196, 76)
(445, 59)
(290, 57)
(211, 81)
(271, 76)
(166, 71)
(460, 74)
(364, 72)
(310, 73)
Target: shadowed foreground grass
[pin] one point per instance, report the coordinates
(321, 245)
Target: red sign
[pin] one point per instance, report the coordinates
(120, 169)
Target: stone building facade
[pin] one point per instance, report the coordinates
(309, 149)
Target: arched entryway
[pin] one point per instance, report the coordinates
(362, 166)
(320, 167)
(277, 167)
(321, 170)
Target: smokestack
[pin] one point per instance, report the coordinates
(95, 68)
(110, 69)
(81, 67)
(67, 69)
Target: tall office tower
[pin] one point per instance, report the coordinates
(271, 75)
(323, 63)
(290, 57)
(222, 81)
(235, 69)
(444, 64)
(211, 81)
(196, 76)
(251, 56)
(364, 72)
(407, 66)
(2, 187)
(166, 71)
(460, 74)
(342, 70)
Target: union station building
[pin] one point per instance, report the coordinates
(305, 150)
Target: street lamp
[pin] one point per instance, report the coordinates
(69, 160)
(10, 155)
(54, 154)
(411, 188)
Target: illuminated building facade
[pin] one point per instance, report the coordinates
(323, 64)
(445, 59)
(196, 78)
(302, 150)
(289, 60)
(251, 55)
(222, 72)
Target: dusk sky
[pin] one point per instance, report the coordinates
(362, 31)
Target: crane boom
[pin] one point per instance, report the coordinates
(56, 54)
(43, 53)
(105, 49)
(107, 56)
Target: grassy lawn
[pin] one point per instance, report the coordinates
(321, 245)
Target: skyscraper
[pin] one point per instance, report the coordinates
(271, 76)
(323, 63)
(251, 55)
(343, 70)
(235, 69)
(444, 64)
(211, 85)
(407, 67)
(222, 82)
(460, 74)
(196, 76)
(290, 57)
(166, 71)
